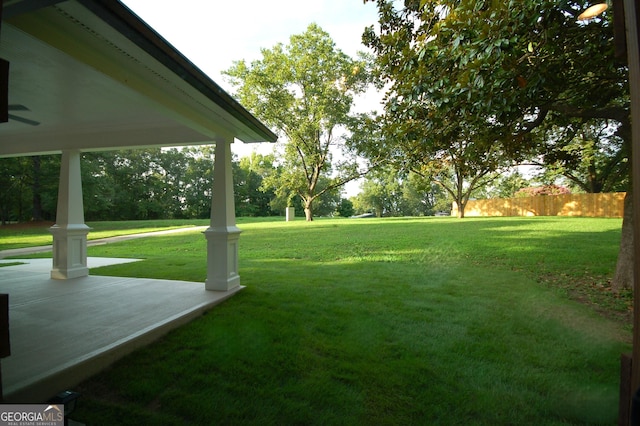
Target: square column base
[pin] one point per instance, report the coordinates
(221, 284)
(222, 258)
(69, 273)
(69, 251)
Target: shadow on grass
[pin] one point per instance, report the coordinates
(447, 343)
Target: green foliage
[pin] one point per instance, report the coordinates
(469, 80)
(381, 193)
(305, 90)
(423, 197)
(198, 181)
(345, 208)
(498, 59)
(124, 184)
(386, 193)
(251, 197)
(133, 184)
(28, 188)
(590, 155)
(535, 191)
(324, 204)
(507, 185)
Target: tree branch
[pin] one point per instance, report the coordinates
(617, 113)
(542, 114)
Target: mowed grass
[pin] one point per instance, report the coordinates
(382, 321)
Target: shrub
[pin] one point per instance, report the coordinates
(534, 191)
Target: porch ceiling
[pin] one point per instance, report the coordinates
(95, 77)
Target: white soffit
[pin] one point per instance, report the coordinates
(92, 88)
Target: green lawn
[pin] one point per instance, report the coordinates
(383, 321)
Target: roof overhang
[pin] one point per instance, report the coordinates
(94, 76)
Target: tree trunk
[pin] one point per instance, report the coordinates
(623, 278)
(308, 212)
(461, 207)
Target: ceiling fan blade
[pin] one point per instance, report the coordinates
(4, 81)
(4, 85)
(23, 120)
(16, 107)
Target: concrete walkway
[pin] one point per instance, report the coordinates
(99, 241)
(63, 332)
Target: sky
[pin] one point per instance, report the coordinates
(213, 34)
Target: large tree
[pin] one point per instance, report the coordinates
(382, 193)
(305, 90)
(461, 161)
(511, 62)
(438, 127)
(590, 155)
(386, 192)
(511, 65)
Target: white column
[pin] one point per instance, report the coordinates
(70, 231)
(290, 213)
(222, 234)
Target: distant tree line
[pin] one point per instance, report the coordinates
(387, 192)
(144, 184)
(177, 184)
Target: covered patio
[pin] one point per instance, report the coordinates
(63, 332)
(89, 75)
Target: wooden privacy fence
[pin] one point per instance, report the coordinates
(589, 205)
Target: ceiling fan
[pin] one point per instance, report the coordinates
(21, 119)
(4, 82)
(5, 108)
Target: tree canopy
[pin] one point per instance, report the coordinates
(588, 153)
(484, 74)
(135, 184)
(305, 90)
(385, 192)
(511, 61)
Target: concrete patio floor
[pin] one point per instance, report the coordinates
(63, 332)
